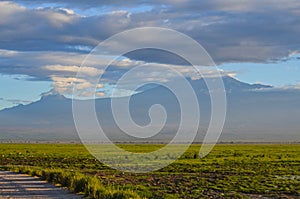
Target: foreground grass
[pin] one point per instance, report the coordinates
(229, 171)
(77, 182)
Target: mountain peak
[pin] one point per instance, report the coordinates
(233, 84)
(53, 95)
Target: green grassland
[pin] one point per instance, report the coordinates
(229, 171)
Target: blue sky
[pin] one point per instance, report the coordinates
(258, 41)
(16, 89)
(278, 74)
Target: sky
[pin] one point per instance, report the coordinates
(43, 43)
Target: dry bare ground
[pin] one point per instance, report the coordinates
(15, 185)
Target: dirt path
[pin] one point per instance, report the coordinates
(15, 185)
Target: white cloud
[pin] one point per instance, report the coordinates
(89, 71)
(64, 75)
(296, 87)
(65, 85)
(67, 11)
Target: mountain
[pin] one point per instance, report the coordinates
(254, 113)
(232, 84)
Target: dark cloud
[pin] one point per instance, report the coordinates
(185, 5)
(79, 4)
(52, 29)
(253, 31)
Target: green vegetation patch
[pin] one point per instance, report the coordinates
(229, 171)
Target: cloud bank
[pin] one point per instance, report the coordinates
(49, 42)
(231, 31)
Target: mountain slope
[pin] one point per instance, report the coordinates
(255, 112)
